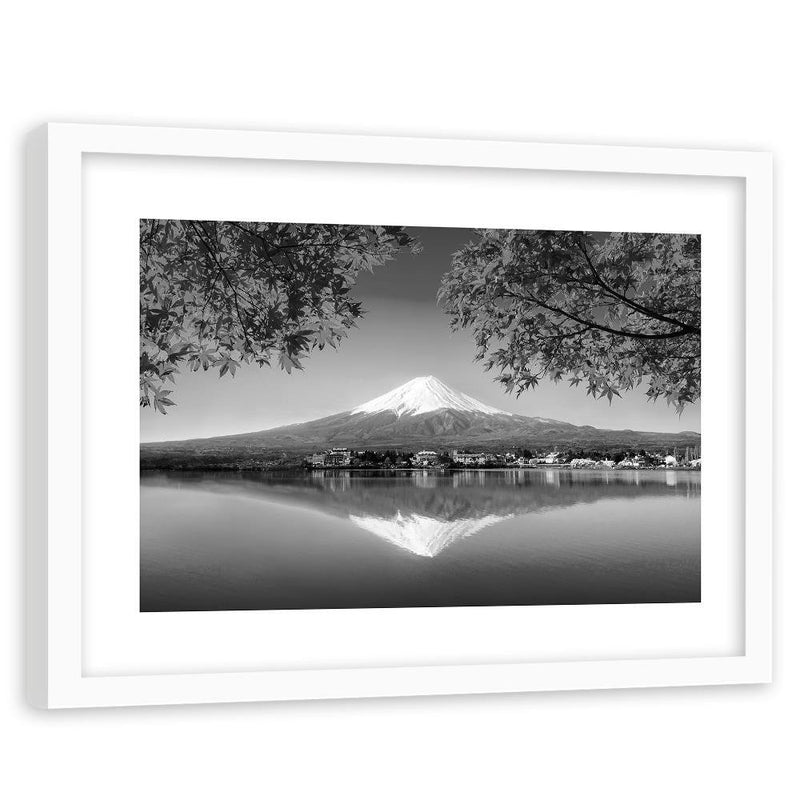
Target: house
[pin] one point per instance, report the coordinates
(551, 458)
(469, 459)
(425, 458)
(336, 457)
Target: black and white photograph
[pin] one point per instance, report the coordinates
(464, 457)
(376, 416)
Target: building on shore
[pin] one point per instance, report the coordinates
(469, 459)
(425, 458)
(335, 457)
(339, 457)
(553, 457)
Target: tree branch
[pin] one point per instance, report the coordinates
(632, 303)
(228, 281)
(596, 325)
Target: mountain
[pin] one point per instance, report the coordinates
(422, 413)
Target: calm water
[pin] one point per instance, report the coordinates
(221, 541)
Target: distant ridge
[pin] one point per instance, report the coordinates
(422, 413)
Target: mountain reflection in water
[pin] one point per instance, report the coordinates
(259, 540)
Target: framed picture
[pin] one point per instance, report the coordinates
(415, 416)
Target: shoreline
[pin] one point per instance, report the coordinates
(391, 470)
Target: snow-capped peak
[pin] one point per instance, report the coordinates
(422, 395)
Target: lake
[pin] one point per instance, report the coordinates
(353, 539)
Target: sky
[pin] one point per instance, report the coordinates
(403, 334)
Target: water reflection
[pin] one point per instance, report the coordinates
(424, 512)
(340, 539)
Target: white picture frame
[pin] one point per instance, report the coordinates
(56, 424)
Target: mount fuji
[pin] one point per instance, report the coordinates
(422, 413)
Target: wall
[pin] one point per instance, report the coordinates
(708, 75)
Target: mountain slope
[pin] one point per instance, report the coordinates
(423, 413)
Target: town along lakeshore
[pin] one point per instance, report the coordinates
(345, 458)
(170, 456)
